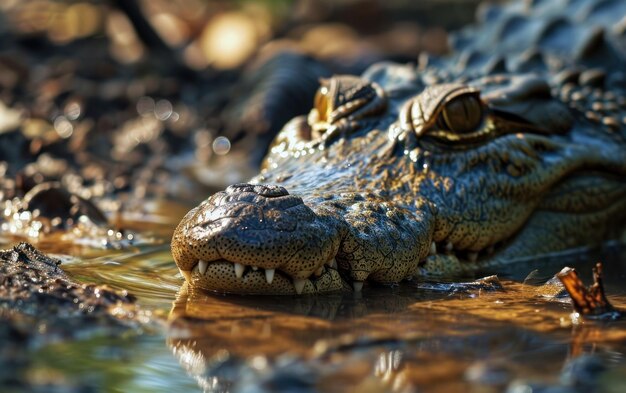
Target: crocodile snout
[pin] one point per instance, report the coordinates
(257, 239)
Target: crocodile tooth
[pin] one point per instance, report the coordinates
(449, 246)
(332, 263)
(433, 248)
(186, 274)
(319, 271)
(239, 268)
(472, 256)
(202, 266)
(269, 275)
(357, 285)
(299, 284)
(255, 268)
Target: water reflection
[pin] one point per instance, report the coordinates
(390, 339)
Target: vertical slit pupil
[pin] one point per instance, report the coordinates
(462, 114)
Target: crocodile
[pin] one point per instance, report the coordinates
(511, 148)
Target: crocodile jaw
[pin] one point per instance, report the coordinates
(258, 239)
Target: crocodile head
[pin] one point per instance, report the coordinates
(390, 178)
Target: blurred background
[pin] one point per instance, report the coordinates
(178, 98)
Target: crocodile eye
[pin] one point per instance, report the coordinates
(462, 114)
(321, 103)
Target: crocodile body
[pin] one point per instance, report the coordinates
(512, 148)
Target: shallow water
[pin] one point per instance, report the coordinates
(402, 339)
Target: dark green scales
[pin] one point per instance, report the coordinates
(510, 149)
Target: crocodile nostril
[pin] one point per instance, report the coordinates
(270, 191)
(238, 188)
(265, 190)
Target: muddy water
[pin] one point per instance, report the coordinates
(403, 339)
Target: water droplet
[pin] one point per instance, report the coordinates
(63, 127)
(72, 110)
(221, 145)
(163, 110)
(145, 106)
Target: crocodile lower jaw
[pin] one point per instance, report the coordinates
(232, 277)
